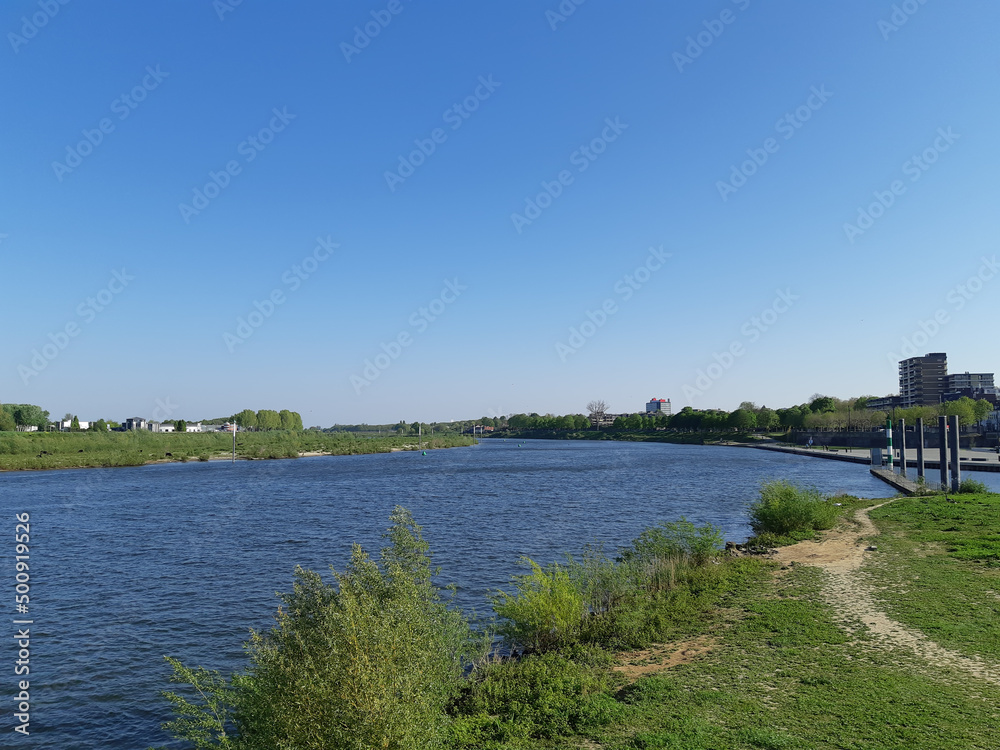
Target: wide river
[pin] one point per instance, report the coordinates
(128, 565)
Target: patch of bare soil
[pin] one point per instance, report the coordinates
(841, 553)
(661, 656)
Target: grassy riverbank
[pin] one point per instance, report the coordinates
(669, 644)
(65, 450)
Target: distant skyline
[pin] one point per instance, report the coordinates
(374, 211)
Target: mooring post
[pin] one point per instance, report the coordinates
(920, 446)
(888, 441)
(956, 460)
(943, 442)
(902, 447)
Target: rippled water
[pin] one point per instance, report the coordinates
(182, 559)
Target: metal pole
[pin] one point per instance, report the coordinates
(888, 439)
(956, 461)
(943, 442)
(920, 446)
(902, 447)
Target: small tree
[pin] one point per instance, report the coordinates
(597, 408)
(371, 660)
(74, 426)
(180, 425)
(99, 426)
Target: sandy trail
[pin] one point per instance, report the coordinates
(841, 553)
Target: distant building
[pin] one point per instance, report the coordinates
(976, 381)
(65, 425)
(658, 406)
(886, 403)
(974, 385)
(922, 380)
(134, 423)
(160, 426)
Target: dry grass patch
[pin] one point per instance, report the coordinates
(662, 656)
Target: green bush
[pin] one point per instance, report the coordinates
(541, 696)
(784, 508)
(973, 487)
(547, 611)
(370, 661)
(676, 540)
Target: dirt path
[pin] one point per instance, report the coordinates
(841, 553)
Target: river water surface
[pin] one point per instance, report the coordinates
(128, 565)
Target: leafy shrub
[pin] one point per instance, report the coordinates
(676, 539)
(784, 508)
(370, 661)
(547, 611)
(973, 486)
(541, 696)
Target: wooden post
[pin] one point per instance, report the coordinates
(902, 447)
(956, 461)
(943, 438)
(920, 446)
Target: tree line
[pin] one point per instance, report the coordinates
(819, 413)
(21, 416)
(268, 419)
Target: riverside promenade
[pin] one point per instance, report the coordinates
(970, 460)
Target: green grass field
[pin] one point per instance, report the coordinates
(66, 450)
(777, 669)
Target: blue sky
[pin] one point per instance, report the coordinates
(457, 215)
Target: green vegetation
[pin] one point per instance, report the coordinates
(938, 568)
(63, 450)
(16, 416)
(787, 512)
(772, 666)
(370, 660)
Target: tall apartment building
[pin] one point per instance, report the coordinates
(922, 380)
(658, 406)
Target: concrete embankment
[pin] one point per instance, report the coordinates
(985, 462)
(902, 484)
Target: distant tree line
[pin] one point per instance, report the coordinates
(820, 413)
(267, 419)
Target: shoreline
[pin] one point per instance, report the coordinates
(212, 459)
